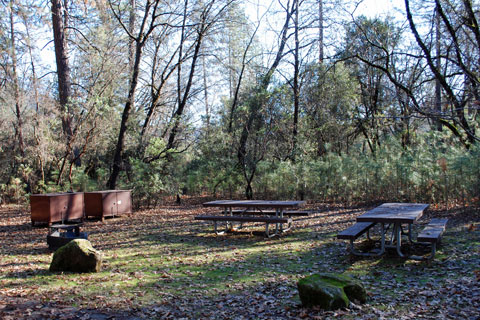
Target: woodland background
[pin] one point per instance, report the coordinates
(284, 99)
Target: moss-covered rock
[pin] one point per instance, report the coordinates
(330, 291)
(76, 256)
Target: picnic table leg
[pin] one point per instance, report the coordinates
(277, 214)
(277, 225)
(430, 257)
(280, 212)
(267, 232)
(410, 233)
(215, 227)
(392, 236)
(371, 254)
(398, 236)
(230, 227)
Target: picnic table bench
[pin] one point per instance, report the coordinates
(355, 231)
(242, 219)
(432, 234)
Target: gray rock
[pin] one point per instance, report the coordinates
(76, 256)
(330, 291)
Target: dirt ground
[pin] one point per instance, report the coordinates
(160, 263)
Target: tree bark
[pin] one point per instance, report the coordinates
(296, 95)
(117, 159)
(438, 87)
(18, 114)
(59, 18)
(131, 29)
(205, 90)
(320, 32)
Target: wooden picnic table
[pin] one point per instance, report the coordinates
(394, 214)
(258, 207)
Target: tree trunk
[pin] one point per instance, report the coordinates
(183, 101)
(240, 77)
(156, 90)
(18, 113)
(249, 191)
(117, 159)
(59, 18)
(296, 95)
(205, 88)
(37, 102)
(438, 87)
(320, 32)
(131, 29)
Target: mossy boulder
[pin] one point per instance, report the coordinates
(330, 291)
(76, 256)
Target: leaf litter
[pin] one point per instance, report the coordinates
(160, 263)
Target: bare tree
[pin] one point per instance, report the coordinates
(456, 24)
(16, 89)
(208, 16)
(296, 91)
(241, 74)
(147, 25)
(438, 45)
(248, 161)
(160, 74)
(320, 32)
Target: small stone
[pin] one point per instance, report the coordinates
(76, 256)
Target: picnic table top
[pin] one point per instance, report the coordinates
(394, 213)
(253, 203)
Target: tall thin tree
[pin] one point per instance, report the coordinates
(18, 112)
(320, 32)
(296, 94)
(144, 32)
(438, 86)
(60, 23)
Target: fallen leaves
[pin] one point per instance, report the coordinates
(160, 263)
